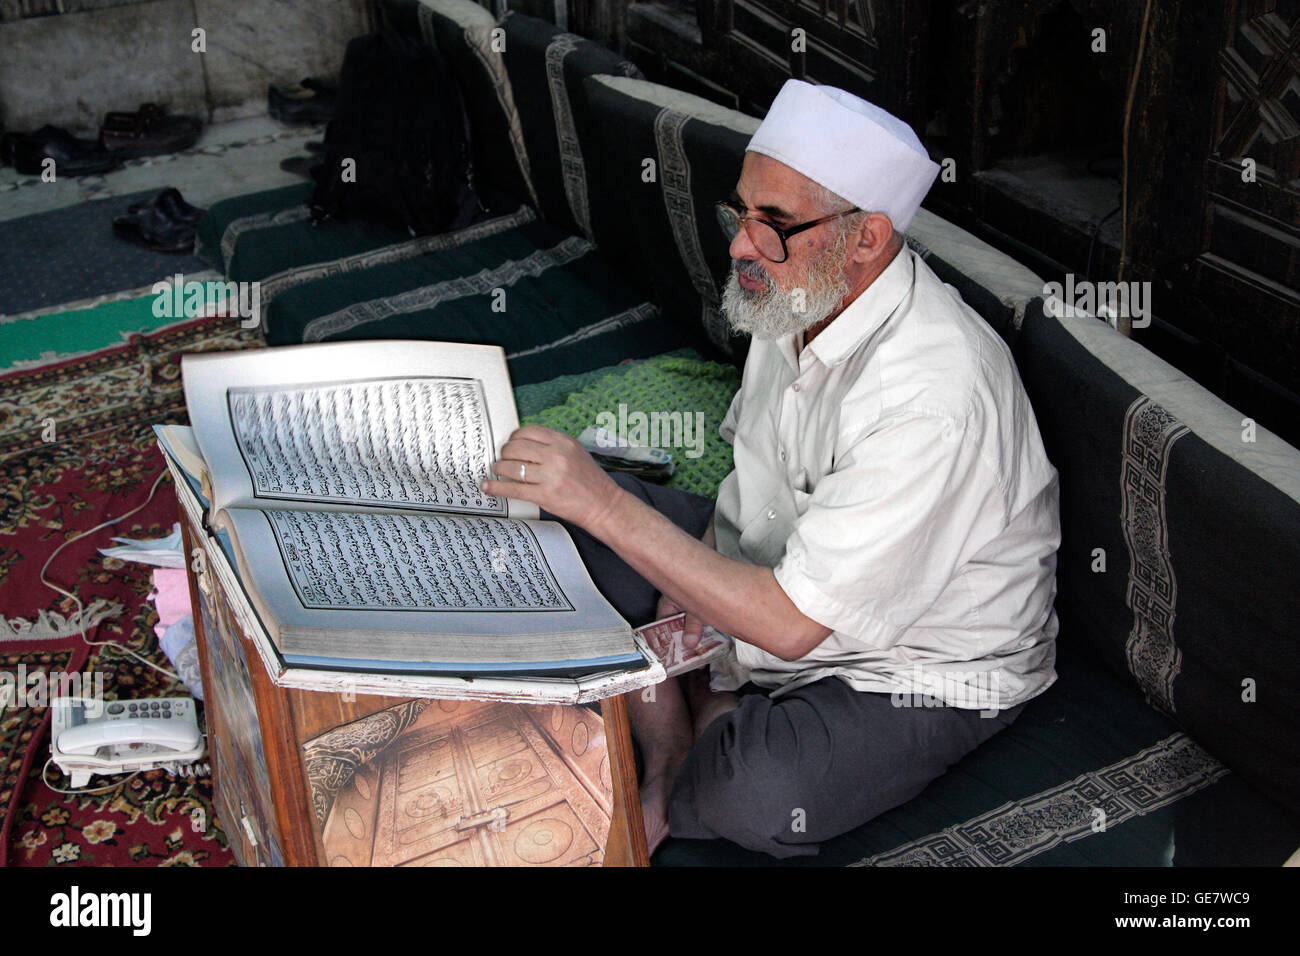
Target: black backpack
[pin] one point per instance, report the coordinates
(398, 116)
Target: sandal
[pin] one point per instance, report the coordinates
(148, 132)
(27, 153)
(173, 206)
(158, 225)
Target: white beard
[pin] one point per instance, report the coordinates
(771, 313)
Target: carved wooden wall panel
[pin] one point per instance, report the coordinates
(1249, 260)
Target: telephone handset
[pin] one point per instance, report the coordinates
(96, 737)
(133, 732)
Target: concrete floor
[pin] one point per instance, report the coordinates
(230, 159)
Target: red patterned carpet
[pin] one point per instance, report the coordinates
(101, 462)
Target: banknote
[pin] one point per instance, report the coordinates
(667, 638)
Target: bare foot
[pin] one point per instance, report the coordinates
(661, 725)
(654, 809)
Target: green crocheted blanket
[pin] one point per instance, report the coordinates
(674, 401)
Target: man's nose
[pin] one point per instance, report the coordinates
(742, 247)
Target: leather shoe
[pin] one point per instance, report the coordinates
(155, 230)
(172, 205)
(27, 153)
(148, 132)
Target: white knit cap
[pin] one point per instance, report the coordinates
(852, 147)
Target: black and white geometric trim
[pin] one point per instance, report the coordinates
(259, 220)
(1153, 658)
(1163, 774)
(279, 282)
(572, 167)
(675, 179)
(620, 320)
(428, 297)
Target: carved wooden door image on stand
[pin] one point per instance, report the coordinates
(315, 778)
(466, 783)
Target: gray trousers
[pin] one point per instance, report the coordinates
(782, 776)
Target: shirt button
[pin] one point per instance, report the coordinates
(783, 454)
(771, 515)
(795, 386)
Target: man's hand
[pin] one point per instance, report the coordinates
(693, 627)
(557, 474)
(740, 599)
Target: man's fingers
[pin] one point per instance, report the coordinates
(536, 433)
(693, 631)
(510, 469)
(523, 449)
(505, 489)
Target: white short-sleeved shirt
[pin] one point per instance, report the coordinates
(892, 474)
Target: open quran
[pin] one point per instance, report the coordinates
(345, 479)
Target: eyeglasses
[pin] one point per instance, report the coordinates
(770, 240)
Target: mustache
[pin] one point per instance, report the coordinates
(752, 270)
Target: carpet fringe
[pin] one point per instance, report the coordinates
(51, 625)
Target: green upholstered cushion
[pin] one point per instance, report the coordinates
(541, 294)
(253, 237)
(267, 237)
(249, 211)
(696, 148)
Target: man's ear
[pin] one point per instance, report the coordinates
(875, 238)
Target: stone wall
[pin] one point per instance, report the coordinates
(71, 68)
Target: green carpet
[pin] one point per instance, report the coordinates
(63, 335)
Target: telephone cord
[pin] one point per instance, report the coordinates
(81, 617)
(197, 768)
(84, 790)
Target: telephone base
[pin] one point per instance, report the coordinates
(80, 777)
(123, 756)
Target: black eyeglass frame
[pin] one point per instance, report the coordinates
(723, 208)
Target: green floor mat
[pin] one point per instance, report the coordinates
(63, 335)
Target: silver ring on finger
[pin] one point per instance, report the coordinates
(523, 470)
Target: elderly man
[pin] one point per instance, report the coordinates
(883, 552)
